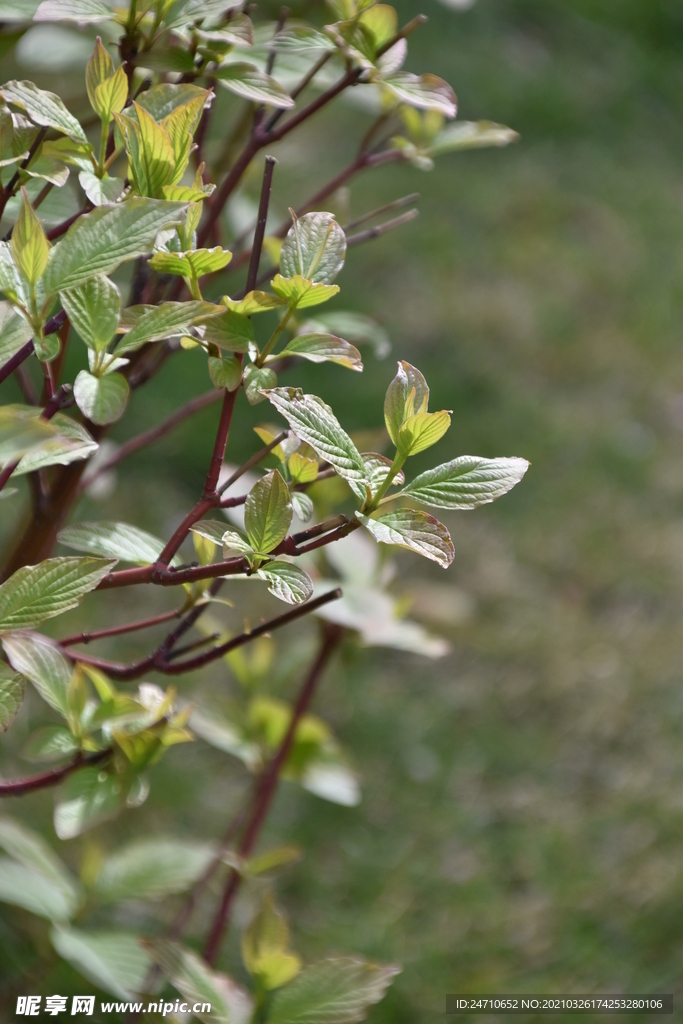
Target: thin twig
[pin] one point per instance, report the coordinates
(397, 204)
(127, 627)
(381, 229)
(19, 787)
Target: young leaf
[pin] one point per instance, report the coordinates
(230, 331)
(93, 309)
(113, 540)
(225, 372)
(87, 798)
(378, 467)
(50, 743)
(71, 443)
(101, 241)
(287, 582)
(41, 661)
(300, 292)
(230, 1004)
(422, 431)
(213, 530)
(21, 430)
(471, 135)
(43, 108)
(267, 512)
(99, 68)
(193, 264)
(322, 348)
(90, 11)
(336, 991)
(400, 402)
(302, 505)
(314, 248)
(466, 482)
(301, 469)
(162, 100)
(182, 12)
(247, 81)
(150, 151)
(253, 302)
(426, 92)
(256, 380)
(265, 948)
(416, 531)
(314, 422)
(100, 191)
(14, 332)
(101, 399)
(150, 869)
(114, 961)
(301, 39)
(12, 689)
(158, 322)
(39, 592)
(25, 887)
(30, 247)
(181, 125)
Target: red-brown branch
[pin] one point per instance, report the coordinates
(19, 787)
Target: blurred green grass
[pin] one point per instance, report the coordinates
(521, 823)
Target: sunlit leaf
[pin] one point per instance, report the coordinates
(93, 309)
(322, 348)
(421, 431)
(416, 531)
(82, 11)
(194, 263)
(230, 331)
(41, 661)
(101, 399)
(256, 380)
(39, 592)
(466, 482)
(113, 540)
(471, 135)
(14, 332)
(225, 372)
(114, 961)
(163, 321)
(267, 512)
(287, 582)
(12, 689)
(21, 430)
(44, 108)
(247, 81)
(71, 443)
(407, 394)
(423, 91)
(314, 248)
(100, 191)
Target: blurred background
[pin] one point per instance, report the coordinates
(522, 810)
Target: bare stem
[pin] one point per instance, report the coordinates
(19, 787)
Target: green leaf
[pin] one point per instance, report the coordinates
(182, 12)
(100, 191)
(301, 39)
(314, 248)
(377, 467)
(50, 743)
(300, 292)
(267, 512)
(44, 108)
(93, 309)
(407, 394)
(301, 469)
(426, 92)
(113, 540)
(87, 798)
(114, 961)
(224, 735)
(30, 849)
(25, 887)
(14, 332)
(162, 100)
(181, 125)
(22, 429)
(150, 151)
(39, 592)
(336, 991)
(164, 321)
(230, 331)
(422, 431)
(416, 531)
(41, 661)
(72, 442)
(30, 247)
(471, 135)
(225, 372)
(212, 530)
(111, 95)
(331, 779)
(101, 399)
(11, 282)
(287, 582)
(90, 11)
(466, 482)
(302, 505)
(314, 422)
(265, 948)
(12, 689)
(247, 81)
(193, 264)
(253, 302)
(230, 1004)
(150, 869)
(99, 68)
(256, 380)
(101, 241)
(271, 859)
(323, 348)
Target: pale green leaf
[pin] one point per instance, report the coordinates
(87, 798)
(30, 247)
(50, 743)
(256, 380)
(12, 689)
(466, 482)
(265, 948)
(111, 95)
(426, 92)
(225, 372)
(39, 592)
(301, 469)
(183, 12)
(302, 293)
(302, 505)
(101, 399)
(99, 68)
(72, 442)
(162, 100)
(41, 661)
(248, 81)
(101, 240)
(22, 429)
(150, 151)
(230, 331)
(193, 264)
(407, 394)
(150, 869)
(471, 135)
(322, 348)
(215, 729)
(164, 321)
(301, 39)
(275, 858)
(338, 991)
(421, 431)
(253, 302)
(14, 332)
(267, 512)
(43, 108)
(100, 191)
(113, 540)
(181, 125)
(287, 582)
(378, 467)
(190, 975)
(10, 279)
(30, 849)
(314, 422)
(416, 531)
(25, 887)
(332, 780)
(93, 309)
(84, 11)
(314, 248)
(114, 961)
